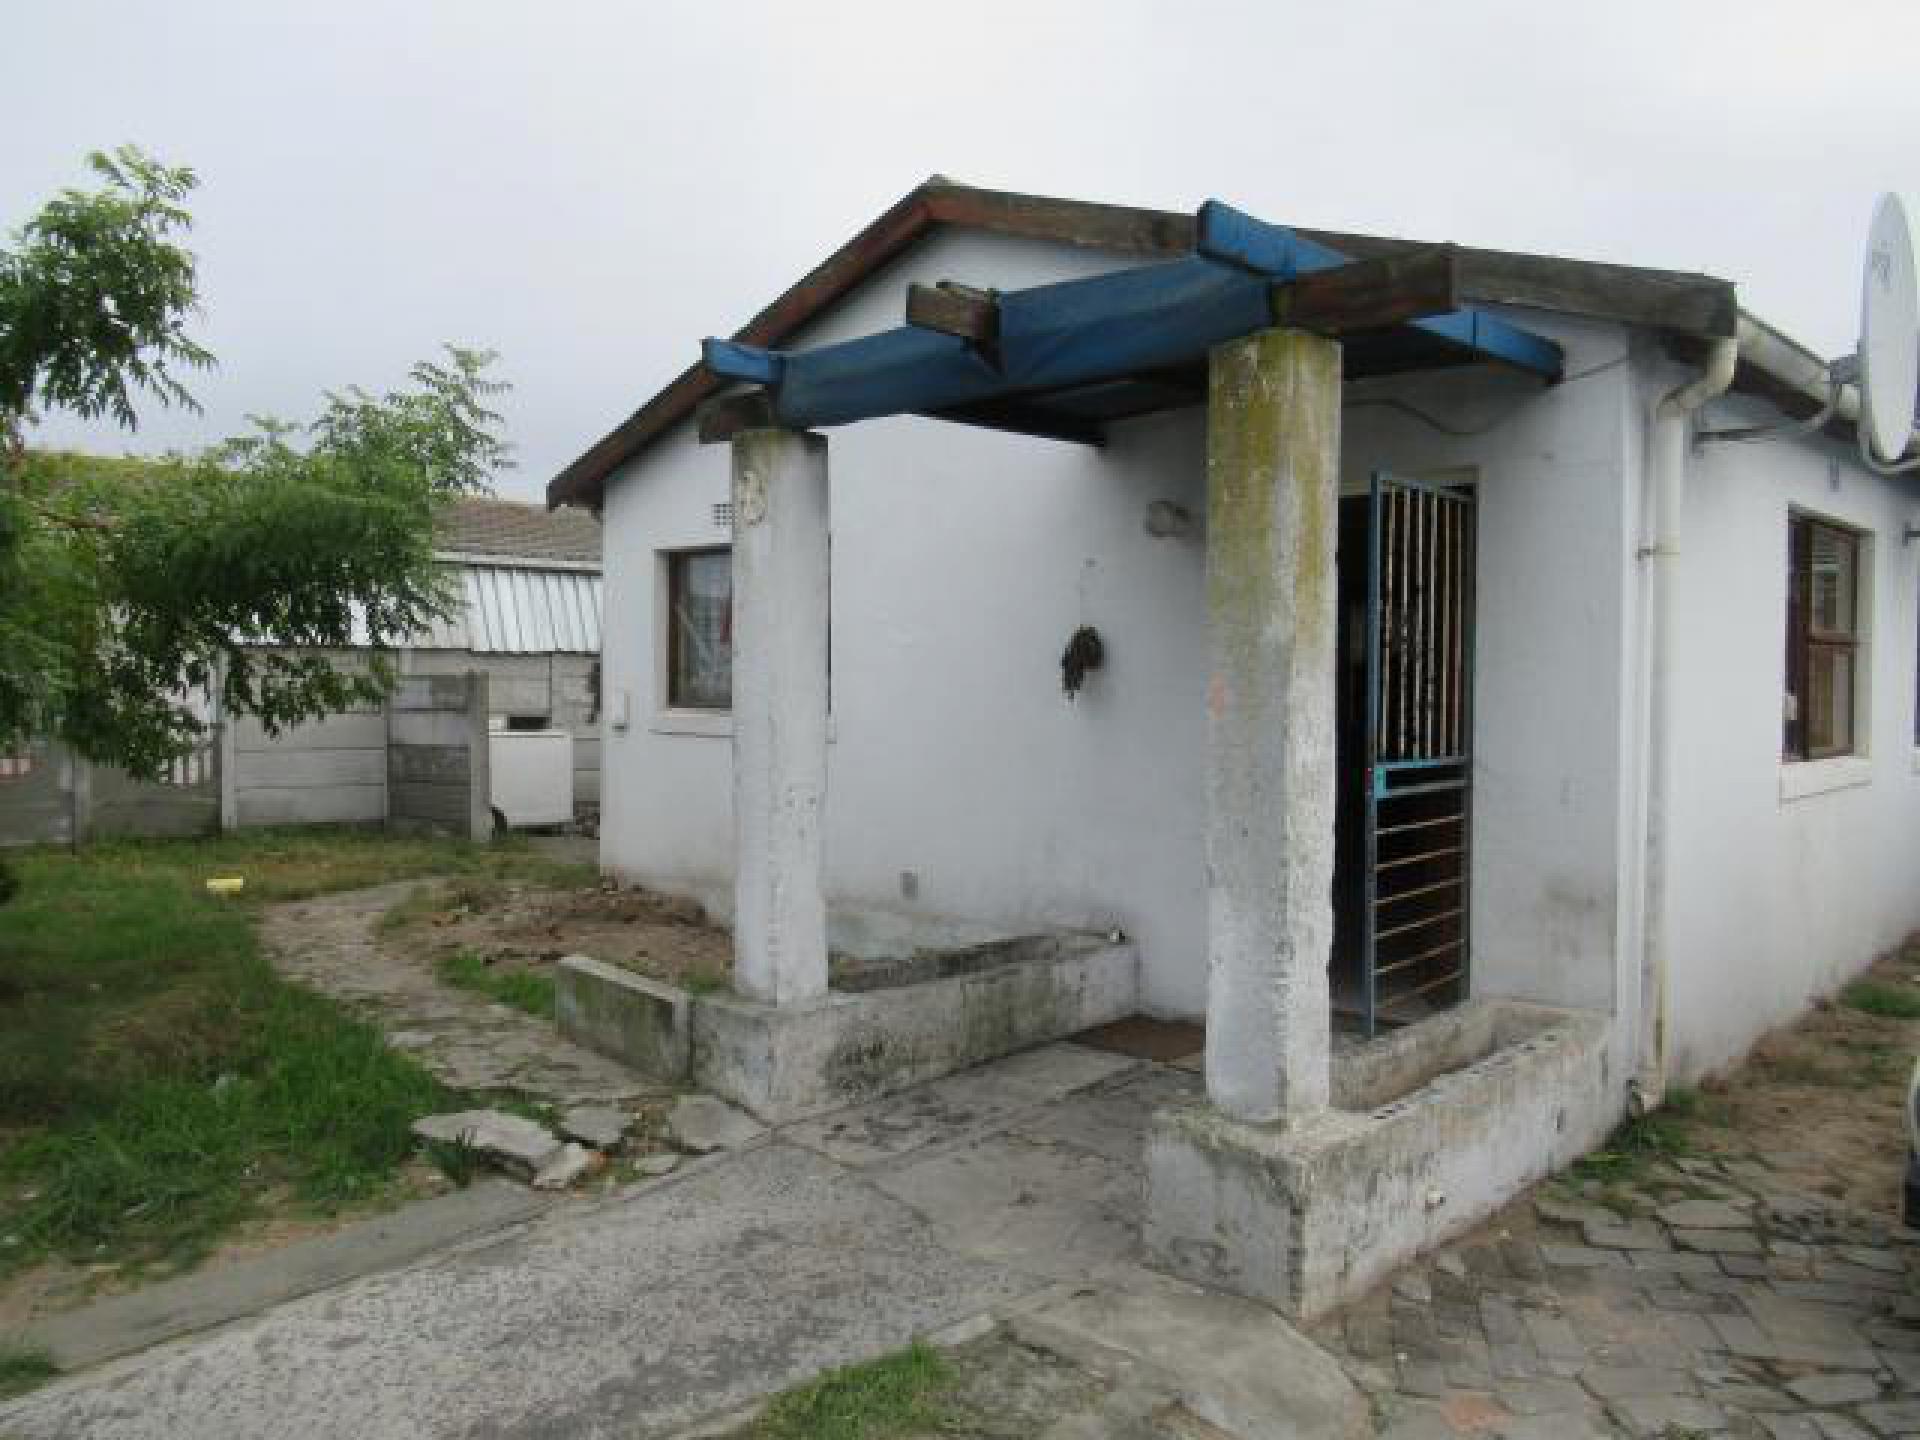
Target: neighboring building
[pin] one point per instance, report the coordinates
(528, 618)
(1677, 754)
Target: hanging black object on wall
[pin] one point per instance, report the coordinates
(1085, 652)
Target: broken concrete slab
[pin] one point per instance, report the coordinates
(598, 1127)
(1704, 1215)
(1562, 1211)
(627, 1017)
(1719, 1242)
(700, 1124)
(123, 1324)
(568, 1164)
(513, 1142)
(1616, 1234)
(1825, 1391)
(654, 1166)
(1234, 1364)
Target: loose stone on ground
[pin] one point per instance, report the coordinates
(701, 1124)
(598, 1127)
(514, 1143)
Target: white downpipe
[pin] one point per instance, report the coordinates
(1666, 470)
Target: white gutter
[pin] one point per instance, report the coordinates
(1800, 369)
(1666, 469)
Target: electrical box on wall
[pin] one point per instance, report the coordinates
(617, 715)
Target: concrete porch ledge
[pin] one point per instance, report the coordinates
(1464, 1111)
(786, 1062)
(909, 1021)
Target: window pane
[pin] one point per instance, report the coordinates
(701, 644)
(1832, 564)
(1829, 702)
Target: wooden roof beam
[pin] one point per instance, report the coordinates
(1371, 294)
(727, 416)
(958, 310)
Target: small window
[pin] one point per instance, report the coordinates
(1823, 639)
(526, 722)
(700, 630)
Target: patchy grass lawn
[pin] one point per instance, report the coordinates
(159, 1082)
(896, 1395)
(22, 1370)
(1892, 1000)
(526, 990)
(1637, 1143)
(993, 1388)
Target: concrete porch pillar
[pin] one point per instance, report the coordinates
(1273, 458)
(779, 714)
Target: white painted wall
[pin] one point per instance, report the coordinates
(1555, 476)
(1777, 900)
(963, 560)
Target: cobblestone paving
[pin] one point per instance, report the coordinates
(1704, 1297)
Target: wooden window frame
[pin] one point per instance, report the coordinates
(676, 567)
(1804, 641)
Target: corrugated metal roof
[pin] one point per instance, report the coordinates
(510, 610)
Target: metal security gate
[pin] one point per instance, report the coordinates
(1419, 748)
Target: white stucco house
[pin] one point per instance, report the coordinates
(1448, 664)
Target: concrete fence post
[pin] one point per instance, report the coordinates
(779, 713)
(1273, 453)
(226, 773)
(479, 756)
(79, 772)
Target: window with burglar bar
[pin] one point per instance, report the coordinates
(1823, 639)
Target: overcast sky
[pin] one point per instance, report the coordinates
(588, 189)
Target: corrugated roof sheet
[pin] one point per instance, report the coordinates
(512, 610)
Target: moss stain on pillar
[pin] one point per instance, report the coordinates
(1272, 482)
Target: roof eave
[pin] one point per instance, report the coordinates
(1678, 303)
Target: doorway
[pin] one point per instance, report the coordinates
(1403, 753)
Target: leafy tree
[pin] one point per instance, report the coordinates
(127, 587)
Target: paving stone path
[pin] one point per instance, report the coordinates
(470, 1042)
(1703, 1297)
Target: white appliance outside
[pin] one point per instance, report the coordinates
(531, 781)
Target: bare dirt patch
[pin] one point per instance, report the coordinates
(1824, 1099)
(528, 928)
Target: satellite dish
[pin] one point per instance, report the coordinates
(1889, 334)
